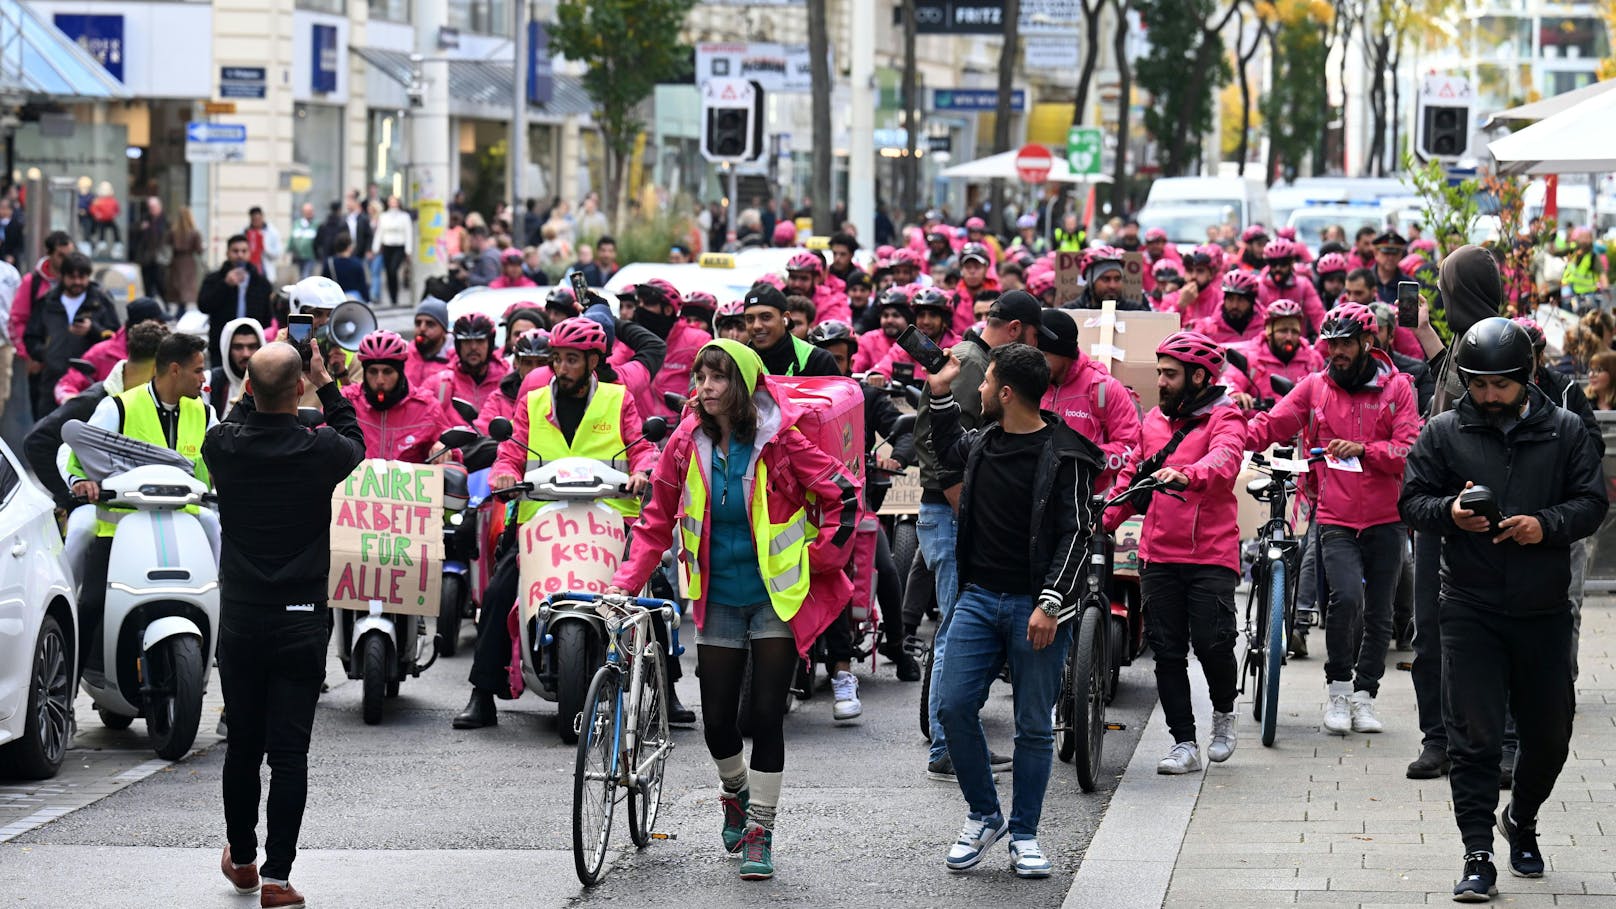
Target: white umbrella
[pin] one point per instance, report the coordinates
(1003, 167)
(1578, 140)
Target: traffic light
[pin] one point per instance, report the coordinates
(732, 120)
(1444, 131)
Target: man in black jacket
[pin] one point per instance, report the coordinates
(71, 319)
(1504, 616)
(235, 291)
(274, 478)
(769, 333)
(1024, 520)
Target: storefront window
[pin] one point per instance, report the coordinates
(339, 7)
(390, 10)
(384, 166)
(482, 17)
(317, 145)
(84, 162)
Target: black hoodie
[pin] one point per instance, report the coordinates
(1471, 290)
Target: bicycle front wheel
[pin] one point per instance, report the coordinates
(650, 756)
(1088, 696)
(1274, 655)
(594, 782)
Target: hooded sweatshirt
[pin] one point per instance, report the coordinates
(224, 383)
(799, 474)
(1471, 290)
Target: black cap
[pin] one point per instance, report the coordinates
(859, 279)
(1020, 306)
(1391, 238)
(1059, 336)
(765, 295)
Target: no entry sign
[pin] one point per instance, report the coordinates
(1033, 163)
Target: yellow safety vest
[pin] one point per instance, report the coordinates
(1581, 274)
(782, 563)
(140, 422)
(599, 436)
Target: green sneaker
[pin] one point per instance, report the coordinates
(757, 854)
(734, 819)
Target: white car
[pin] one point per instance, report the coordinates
(38, 630)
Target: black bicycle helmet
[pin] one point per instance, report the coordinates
(473, 327)
(832, 331)
(1495, 347)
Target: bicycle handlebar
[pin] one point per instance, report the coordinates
(646, 603)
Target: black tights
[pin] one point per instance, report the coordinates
(722, 671)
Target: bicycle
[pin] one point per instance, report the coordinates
(1080, 709)
(1270, 619)
(623, 739)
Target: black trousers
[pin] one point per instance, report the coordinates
(271, 665)
(1185, 605)
(1427, 671)
(1362, 567)
(1489, 662)
(392, 259)
(838, 638)
(93, 597)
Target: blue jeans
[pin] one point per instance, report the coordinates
(986, 629)
(937, 530)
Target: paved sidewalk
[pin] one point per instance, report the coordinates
(1323, 820)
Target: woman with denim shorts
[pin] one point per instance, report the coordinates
(764, 519)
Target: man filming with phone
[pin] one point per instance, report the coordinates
(235, 291)
(1503, 611)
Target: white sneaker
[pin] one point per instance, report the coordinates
(845, 685)
(1223, 738)
(1184, 758)
(1363, 713)
(975, 838)
(1028, 860)
(1338, 715)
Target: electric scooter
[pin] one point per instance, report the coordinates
(160, 625)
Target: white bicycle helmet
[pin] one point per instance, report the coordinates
(315, 292)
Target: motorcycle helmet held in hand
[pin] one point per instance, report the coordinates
(1495, 347)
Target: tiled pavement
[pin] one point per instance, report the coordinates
(1322, 820)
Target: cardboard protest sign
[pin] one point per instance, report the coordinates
(387, 538)
(1068, 277)
(903, 496)
(1125, 343)
(568, 546)
(1133, 276)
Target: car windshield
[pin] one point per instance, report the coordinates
(1310, 225)
(1188, 225)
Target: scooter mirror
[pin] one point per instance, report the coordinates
(458, 437)
(467, 410)
(654, 429)
(1281, 385)
(82, 366)
(1237, 360)
(499, 429)
(674, 400)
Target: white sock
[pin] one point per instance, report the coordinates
(270, 880)
(765, 799)
(732, 773)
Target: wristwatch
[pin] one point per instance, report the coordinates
(1049, 606)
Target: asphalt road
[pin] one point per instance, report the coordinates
(416, 813)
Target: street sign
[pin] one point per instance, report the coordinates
(1033, 163)
(1083, 149)
(214, 108)
(242, 82)
(975, 99)
(207, 143)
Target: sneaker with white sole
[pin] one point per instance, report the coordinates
(1223, 737)
(1028, 860)
(975, 839)
(1184, 758)
(847, 706)
(1338, 714)
(1362, 704)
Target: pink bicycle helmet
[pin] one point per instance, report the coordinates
(383, 346)
(699, 299)
(1288, 233)
(1411, 263)
(909, 257)
(1040, 282)
(1347, 321)
(785, 234)
(806, 261)
(1280, 249)
(1424, 245)
(1155, 233)
(1167, 268)
(1193, 349)
(579, 334)
(734, 310)
(1208, 254)
(1283, 309)
(1253, 233)
(1331, 264)
(1243, 283)
(1533, 331)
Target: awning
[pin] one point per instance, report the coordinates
(37, 61)
(484, 84)
(1003, 166)
(1547, 107)
(1580, 139)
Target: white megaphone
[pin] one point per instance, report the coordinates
(349, 324)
